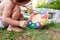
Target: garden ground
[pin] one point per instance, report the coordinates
(48, 32)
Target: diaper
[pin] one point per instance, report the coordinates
(1, 24)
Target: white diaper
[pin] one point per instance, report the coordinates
(1, 24)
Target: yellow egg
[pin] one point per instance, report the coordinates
(29, 11)
(43, 21)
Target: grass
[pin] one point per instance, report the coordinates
(48, 32)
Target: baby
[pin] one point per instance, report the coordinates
(10, 14)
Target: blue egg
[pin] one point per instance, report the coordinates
(29, 23)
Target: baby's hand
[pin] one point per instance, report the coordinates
(23, 23)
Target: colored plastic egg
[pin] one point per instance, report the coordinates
(38, 20)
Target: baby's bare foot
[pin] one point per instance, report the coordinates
(16, 29)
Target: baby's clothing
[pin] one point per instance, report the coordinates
(1, 24)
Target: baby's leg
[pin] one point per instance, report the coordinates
(15, 16)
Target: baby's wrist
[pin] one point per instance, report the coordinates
(21, 24)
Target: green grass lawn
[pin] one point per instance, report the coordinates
(48, 32)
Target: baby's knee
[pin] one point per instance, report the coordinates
(17, 9)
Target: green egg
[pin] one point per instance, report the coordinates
(33, 25)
